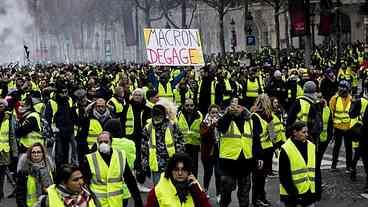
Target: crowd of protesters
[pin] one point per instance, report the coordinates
(92, 134)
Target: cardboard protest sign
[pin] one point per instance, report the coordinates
(173, 47)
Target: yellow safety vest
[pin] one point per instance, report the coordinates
(95, 129)
(191, 133)
(32, 137)
(55, 106)
(4, 135)
(167, 196)
(325, 117)
(39, 107)
(169, 142)
(341, 114)
(117, 105)
(32, 196)
(302, 173)
(129, 123)
(344, 75)
(31, 191)
(252, 88)
(107, 182)
(304, 109)
(55, 200)
(279, 129)
(165, 94)
(266, 142)
(233, 142)
(213, 91)
(299, 91)
(128, 146)
(227, 89)
(359, 118)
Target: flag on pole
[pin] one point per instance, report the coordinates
(297, 10)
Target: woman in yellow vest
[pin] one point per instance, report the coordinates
(34, 171)
(69, 190)
(299, 180)
(263, 134)
(177, 186)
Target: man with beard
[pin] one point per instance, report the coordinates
(340, 106)
(189, 121)
(99, 114)
(328, 85)
(177, 186)
(161, 139)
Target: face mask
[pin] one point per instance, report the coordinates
(104, 148)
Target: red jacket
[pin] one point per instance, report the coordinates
(199, 198)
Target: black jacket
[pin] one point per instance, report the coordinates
(287, 182)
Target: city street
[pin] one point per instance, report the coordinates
(339, 190)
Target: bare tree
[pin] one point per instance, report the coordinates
(222, 7)
(167, 5)
(279, 7)
(147, 6)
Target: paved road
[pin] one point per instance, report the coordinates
(340, 191)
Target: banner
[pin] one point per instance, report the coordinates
(173, 47)
(325, 21)
(297, 10)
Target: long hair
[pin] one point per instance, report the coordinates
(262, 105)
(175, 159)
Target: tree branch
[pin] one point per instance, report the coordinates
(157, 18)
(269, 3)
(212, 3)
(192, 16)
(139, 5)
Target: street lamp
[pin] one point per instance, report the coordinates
(233, 35)
(249, 20)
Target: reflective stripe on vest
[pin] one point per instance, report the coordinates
(55, 200)
(32, 137)
(302, 173)
(117, 105)
(266, 142)
(4, 135)
(304, 109)
(169, 142)
(227, 89)
(95, 129)
(232, 143)
(341, 115)
(31, 190)
(167, 195)
(279, 129)
(166, 94)
(325, 117)
(252, 88)
(107, 182)
(129, 123)
(191, 134)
